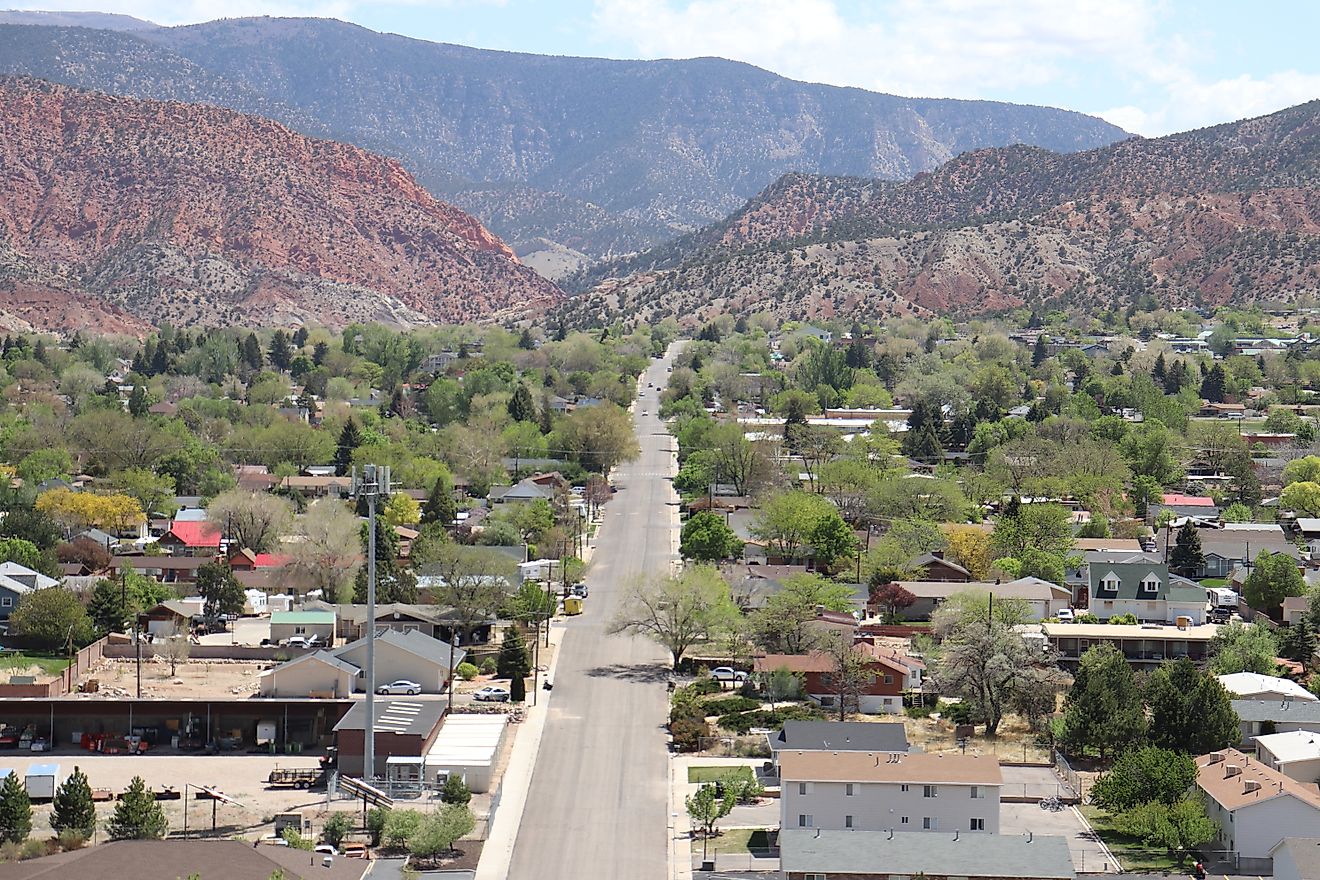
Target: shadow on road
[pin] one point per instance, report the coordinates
(647, 674)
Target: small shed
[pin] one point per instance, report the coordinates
(405, 728)
(41, 781)
(286, 624)
(468, 746)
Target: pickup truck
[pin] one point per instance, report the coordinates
(296, 777)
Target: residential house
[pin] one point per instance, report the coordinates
(753, 585)
(1107, 545)
(1180, 505)
(320, 625)
(891, 676)
(191, 538)
(889, 791)
(868, 855)
(255, 478)
(1145, 590)
(1296, 858)
(1222, 410)
(16, 581)
(439, 362)
(837, 736)
(1308, 527)
(1253, 686)
(1141, 644)
(166, 569)
(934, 567)
(399, 655)
(1295, 754)
(1233, 545)
(403, 728)
(318, 486)
(1043, 599)
(172, 617)
(1254, 806)
(171, 859)
(1258, 717)
(246, 560)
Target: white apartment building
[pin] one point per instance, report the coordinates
(1254, 806)
(882, 791)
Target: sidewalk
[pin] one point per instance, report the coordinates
(497, 853)
(680, 825)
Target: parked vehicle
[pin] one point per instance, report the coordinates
(728, 673)
(1220, 615)
(296, 777)
(402, 686)
(302, 642)
(491, 694)
(579, 590)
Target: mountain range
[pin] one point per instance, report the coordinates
(1202, 218)
(570, 159)
(118, 213)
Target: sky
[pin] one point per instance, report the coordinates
(1150, 66)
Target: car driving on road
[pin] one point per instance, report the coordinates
(491, 694)
(402, 686)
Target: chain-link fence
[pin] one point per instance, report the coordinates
(747, 860)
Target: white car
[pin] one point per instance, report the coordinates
(491, 694)
(402, 686)
(302, 642)
(325, 849)
(1065, 615)
(728, 673)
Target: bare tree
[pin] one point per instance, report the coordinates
(677, 611)
(175, 649)
(850, 671)
(251, 520)
(475, 582)
(329, 554)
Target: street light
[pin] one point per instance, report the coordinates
(375, 481)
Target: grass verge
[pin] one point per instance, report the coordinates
(1131, 853)
(735, 840)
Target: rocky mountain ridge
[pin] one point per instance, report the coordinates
(146, 211)
(573, 158)
(1223, 214)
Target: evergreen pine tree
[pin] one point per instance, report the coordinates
(440, 506)
(350, 438)
(319, 353)
(514, 661)
(1186, 557)
(518, 690)
(281, 352)
(160, 361)
(1039, 353)
(521, 406)
(1213, 386)
(300, 337)
(15, 811)
(137, 815)
(393, 584)
(73, 809)
(39, 352)
(107, 608)
(1161, 369)
(251, 352)
(525, 341)
(547, 415)
(138, 403)
(561, 333)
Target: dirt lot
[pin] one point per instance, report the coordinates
(192, 679)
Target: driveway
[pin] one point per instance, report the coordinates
(1032, 782)
(1088, 854)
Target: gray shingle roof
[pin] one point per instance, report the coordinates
(928, 852)
(840, 736)
(1303, 711)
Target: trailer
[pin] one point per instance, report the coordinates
(41, 781)
(296, 777)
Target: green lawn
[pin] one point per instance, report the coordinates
(1131, 853)
(1214, 582)
(18, 662)
(708, 774)
(735, 840)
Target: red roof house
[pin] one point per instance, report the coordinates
(191, 538)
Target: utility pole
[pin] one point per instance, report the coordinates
(375, 481)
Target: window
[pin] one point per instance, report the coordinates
(300, 630)
(802, 787)
(7, 601)
(978, 824)
(848, 790)
(930, 791)
(903, 821)
(1150, 584)
(889, 679)
(847, 821)
(806, 820)
(930, 824)
(814, 877)
(976, 792)
(903, 788)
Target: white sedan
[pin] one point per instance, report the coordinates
(402, 686)
(728, 673)
(491, 694)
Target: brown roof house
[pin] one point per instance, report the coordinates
(1254, 806)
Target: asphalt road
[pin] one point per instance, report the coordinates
(598, 797)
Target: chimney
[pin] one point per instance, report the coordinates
(938, 554)
(1232, 770)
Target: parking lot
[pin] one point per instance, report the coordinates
(1032, 782)
(1088, 854)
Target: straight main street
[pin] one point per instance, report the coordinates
(597, 805)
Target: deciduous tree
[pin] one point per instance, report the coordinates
(1274, 578)
(677, 611)
(249, 519)
(706, 538)
(329, 554)
(1145, 775)
(53, 619)
(222, 592)
(1243, 647)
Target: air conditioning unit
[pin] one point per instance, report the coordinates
(1250, 785)
(1232, 770)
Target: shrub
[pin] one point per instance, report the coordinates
(376, 823)
(958, 713)
(742, 722)
(71, 840)
(1086, 617)
(32, 849)
(489, 666)
(467, 671)
(918, 711)
(729, 706)
(688, 733)
(518, 690)
(295, 840)
(336, 829)
(743, 784)
(399, 826)
(705, 685)
(456, 790)
(1124, 620)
